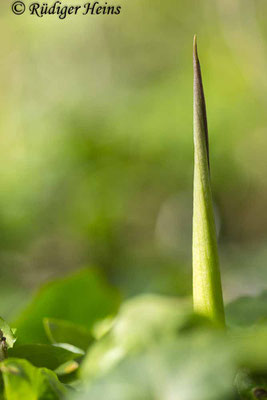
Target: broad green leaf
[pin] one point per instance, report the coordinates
(45, 355)
(207, 291)
(249, 348)
(199, 367)
(82, 298)
(59, 331)
(142, 322)
(247, 310)
(24, 381)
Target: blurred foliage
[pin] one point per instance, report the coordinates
(169, 372)
(23, 381)
(247, 311)
(173, 355)
(45, 355)
(59, 331)
(149, 347)
(82, 298)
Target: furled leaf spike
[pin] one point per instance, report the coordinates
(207, 291)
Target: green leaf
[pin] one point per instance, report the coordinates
(59, 331)
(142, 322)
(249, 348)
(247, 310)
(45, 355)
(82, 298)
(207, 291)
(199, 365)
(24, 381)
(196, 368)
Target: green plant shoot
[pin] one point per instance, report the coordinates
(207, 290)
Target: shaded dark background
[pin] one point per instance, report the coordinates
(96, 154)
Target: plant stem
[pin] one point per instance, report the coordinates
(207, 290)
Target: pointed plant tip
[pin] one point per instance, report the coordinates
(199, 98)
(195, 46)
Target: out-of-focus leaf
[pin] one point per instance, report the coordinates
(82, 298)
(24, 381)
(45, 355)
(8, 333)
(59, 331)
(200, 367)
(201, 363)
(142, 322)
(249, 348)
(246, 311)
(102, 327)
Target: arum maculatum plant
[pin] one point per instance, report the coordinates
(207, 290)
(77, 339)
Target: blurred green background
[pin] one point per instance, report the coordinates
(96, 145)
